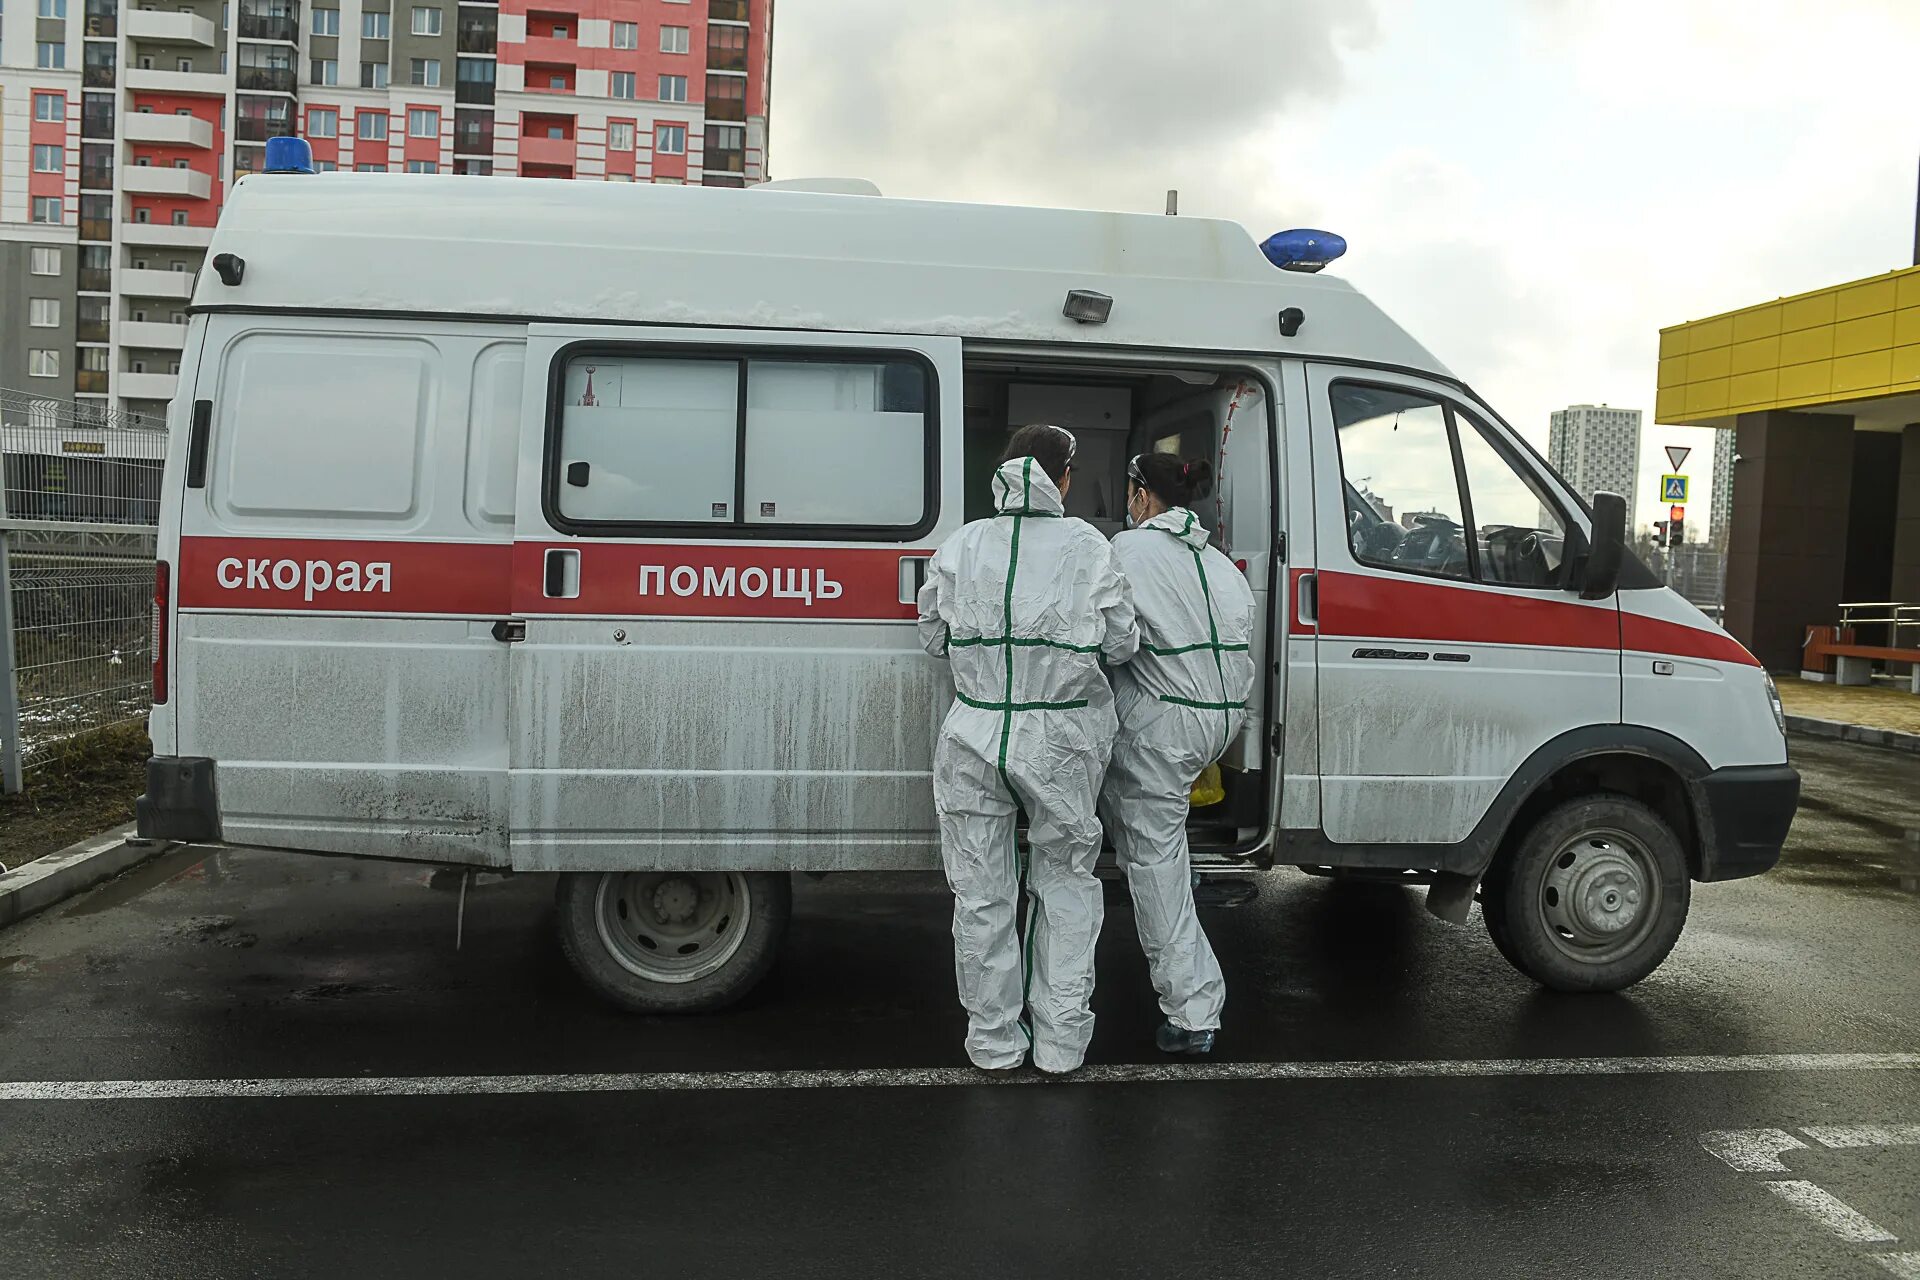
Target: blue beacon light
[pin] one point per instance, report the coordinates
(288, 155)
(1303, 249)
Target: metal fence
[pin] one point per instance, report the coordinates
(1697, 572)
(79, 502)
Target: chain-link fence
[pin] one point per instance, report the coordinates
(79, 501)
(1697, 572)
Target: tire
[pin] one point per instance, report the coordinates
(1592, 898)
(672, 941)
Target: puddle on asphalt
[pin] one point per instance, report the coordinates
(148, 875)
(1891, 861)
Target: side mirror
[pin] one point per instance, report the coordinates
(1600, 575)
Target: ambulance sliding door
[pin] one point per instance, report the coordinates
(718, 542)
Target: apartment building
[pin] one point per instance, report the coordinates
(1596, 447)
(122, 126)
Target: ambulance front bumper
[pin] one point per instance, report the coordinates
(1744, 814)
(179, 804)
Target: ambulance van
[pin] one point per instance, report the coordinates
(576, 528)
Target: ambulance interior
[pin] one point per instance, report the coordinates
(1114, 414)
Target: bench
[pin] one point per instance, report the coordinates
(1829, 653)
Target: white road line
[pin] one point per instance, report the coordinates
(1841, 1136)
(936, 1077)
(1904, 1265)
(1835, 1215)
(1752, 1150)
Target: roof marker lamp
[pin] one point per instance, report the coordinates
(1084, 306)
(1302, 249)
(288, 155)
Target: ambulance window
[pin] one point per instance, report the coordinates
(646, 439)
(1520, 535)
(806, 419)
(351, 454)
(1402, 509)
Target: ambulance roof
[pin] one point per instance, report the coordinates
(532, 249)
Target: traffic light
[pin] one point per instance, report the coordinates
(1659, 533)
(1677, 526)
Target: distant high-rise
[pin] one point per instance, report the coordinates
(1596, 447)
(1720, 512)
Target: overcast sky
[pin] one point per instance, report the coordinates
(1532, 187)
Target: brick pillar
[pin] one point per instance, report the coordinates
(1787, 547)
(1906, 528)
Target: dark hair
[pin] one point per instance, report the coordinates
(1052, 447)
(1175, 481)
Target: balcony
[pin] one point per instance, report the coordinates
(152, 334)
(171, 28)
(727, 10)
(203, 83)
(152, 180)
(558, 152)
(169, 130)
(264, 79)
(94, 280)
(472, 142)
(92, 331)
(260, 27)
(90, 382)
(135, 283)
(96, 177)
(165, 235)
(479, 35)
(97, 75)
(97, 123)
(148, 386)
(96, 229)
(259, 129)
(473, 92)
(102, 26)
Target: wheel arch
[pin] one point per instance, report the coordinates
(1654, 768)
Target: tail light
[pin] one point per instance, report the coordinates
(162, 592)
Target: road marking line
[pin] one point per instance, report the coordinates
(1841, 1136)
(935, 1077)
(1834, 1214)
(1752, 1150)
(1904, 1265)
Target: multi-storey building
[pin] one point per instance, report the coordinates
(122, 125)
(1596, 447)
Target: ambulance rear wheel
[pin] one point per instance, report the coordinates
(1592, 898)
(673, 941)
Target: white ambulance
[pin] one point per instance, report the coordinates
(575, 528)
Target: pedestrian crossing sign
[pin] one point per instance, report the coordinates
(1673, 488)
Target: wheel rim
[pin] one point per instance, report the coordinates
(672, 926)
(1601, 896)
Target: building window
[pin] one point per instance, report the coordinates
(326, 22)
(326, 71)
(670, 140)
(673, 88)
(426, 22)
(50, 57)
(323, 122)
(375, 26)
(182, 164)
(373, 75)
(372, 125)
(422, 166)
(49, 159)
(326, 166)
(675, 40)
(726, 97)
(43, 313)
(619, 136)
(179, 217)
(621, 85)
(425, 71)
(53, 8)
(423, 122)
(45, 260)
(46, 208)
(143, 215)
(369, 168)
(42, 363)
(626, 35)
(478, 168)
(50, 107)
(183, 64)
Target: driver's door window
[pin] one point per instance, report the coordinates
(1403, 507)
(1521, 536)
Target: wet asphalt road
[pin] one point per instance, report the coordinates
(248, 964)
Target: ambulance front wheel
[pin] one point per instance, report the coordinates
(673, 941)
(1593, 896)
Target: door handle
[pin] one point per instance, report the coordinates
(1307, 599)
(913, 576)
(509, 630)
(561, 580)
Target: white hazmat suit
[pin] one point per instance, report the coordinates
(1025, 605)
(1180, 701)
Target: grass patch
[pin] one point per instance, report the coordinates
(79, 787)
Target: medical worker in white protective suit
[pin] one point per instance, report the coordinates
(1025, 606)
(1180, 702)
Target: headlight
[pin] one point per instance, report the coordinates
(1773, 699)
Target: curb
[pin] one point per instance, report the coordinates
(37, 885)
(1891, 739)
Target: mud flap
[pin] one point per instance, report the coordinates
(1451, 896)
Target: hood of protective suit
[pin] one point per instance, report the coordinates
(1182, 524)
(1021, 487)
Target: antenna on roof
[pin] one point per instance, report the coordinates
(1173, 203)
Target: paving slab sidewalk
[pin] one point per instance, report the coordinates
(1869, 714)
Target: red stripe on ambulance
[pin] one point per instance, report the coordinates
(720, 581)
(1403, 608)
(469, 579)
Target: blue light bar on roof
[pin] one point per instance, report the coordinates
(288, 155)
(1302, 249)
